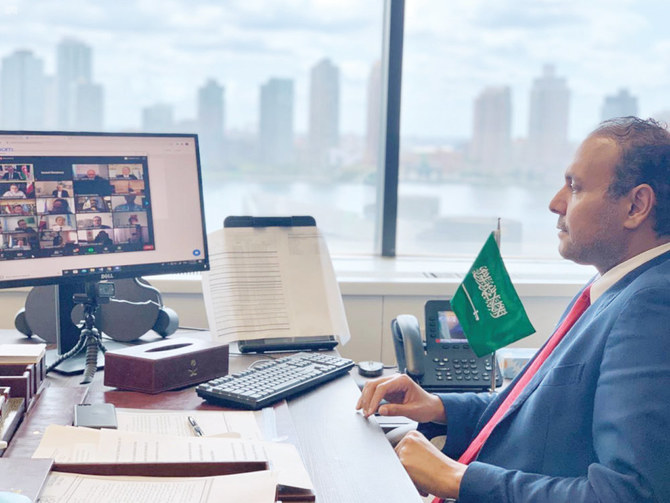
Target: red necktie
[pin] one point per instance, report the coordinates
(475, 446)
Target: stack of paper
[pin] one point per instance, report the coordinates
(21, 354)
(163, 437)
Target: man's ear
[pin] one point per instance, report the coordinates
(642, 200)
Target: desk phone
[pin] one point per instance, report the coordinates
(445, 361)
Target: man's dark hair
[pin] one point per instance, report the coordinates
(645, 158)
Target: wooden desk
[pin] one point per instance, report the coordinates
(347, 456)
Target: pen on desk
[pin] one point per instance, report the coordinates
(196, 428)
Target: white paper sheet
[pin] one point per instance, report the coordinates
(253, 487)
(236, 424)
(272, 282)
(71, 444)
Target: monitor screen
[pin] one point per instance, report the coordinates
(89, 206)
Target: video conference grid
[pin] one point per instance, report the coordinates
(55, 206)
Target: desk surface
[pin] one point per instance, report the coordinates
(347, 456)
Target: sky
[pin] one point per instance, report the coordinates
(151, 51)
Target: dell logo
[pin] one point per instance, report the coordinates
(107, 276)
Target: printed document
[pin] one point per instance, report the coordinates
(213, 423)
(72, 444)
(272, 282)
(252, 487)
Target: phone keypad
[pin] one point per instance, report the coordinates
(454, 365)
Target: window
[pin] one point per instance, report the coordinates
(497, 96)
(287, 100)
(285, 96)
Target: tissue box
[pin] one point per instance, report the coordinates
(512, 360)
(165, 365)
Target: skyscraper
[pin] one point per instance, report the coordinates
(276, 122)
(73, 67)
(324, 113)
(22, 91)
(158, 118)
(374, 110)
(211, 109)
(88, 107)
(548, 125)
(619, 105)
(491, 135)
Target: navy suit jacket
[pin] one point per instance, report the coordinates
(593, 425)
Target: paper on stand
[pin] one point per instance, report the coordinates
(272, 282)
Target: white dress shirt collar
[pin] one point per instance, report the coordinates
(602, 283)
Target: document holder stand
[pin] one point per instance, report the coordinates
(292, 344)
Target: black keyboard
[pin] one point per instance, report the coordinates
(270, 381)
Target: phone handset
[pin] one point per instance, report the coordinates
(409, 348)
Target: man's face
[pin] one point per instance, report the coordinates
(90, 173)
(125, 171)
(97, 221)
(14, 188)
(22, 224)
(60, 221)
(18, 209)
(590, 222)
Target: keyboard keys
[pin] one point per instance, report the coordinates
(269, 382)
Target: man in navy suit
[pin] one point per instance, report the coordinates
(593, 423)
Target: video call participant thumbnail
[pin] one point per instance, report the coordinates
(10, 207)
(59, 206)
(60, 190)
(129, 202)
(91, 181)
(9, 172)
(13, 191)
(125, 173)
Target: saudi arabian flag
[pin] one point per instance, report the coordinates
(487, 305)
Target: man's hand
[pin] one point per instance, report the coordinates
(405, 397)
(431, 471)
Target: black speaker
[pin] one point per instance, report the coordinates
(136, 310)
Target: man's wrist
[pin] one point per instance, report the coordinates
(440, 415)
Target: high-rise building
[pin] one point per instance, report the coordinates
(619, 105)
(374, 113)
(276, 122)
(22, 91)
(548, 125)
(73, 68)
(158, 118)
(211, 109)
(492, 131)
(88, 107)
(324, 113)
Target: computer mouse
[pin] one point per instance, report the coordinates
(370, 368)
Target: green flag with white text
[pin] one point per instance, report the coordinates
(487, 305)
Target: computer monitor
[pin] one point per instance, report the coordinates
(77, 208)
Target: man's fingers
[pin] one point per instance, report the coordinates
(368, 392)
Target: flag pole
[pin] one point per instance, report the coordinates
(496, 236)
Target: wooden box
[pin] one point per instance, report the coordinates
(21, 379)
(165, 365)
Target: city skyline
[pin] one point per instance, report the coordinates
(148, 52)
